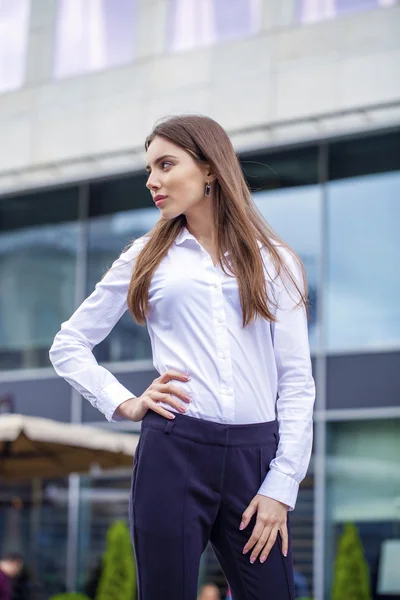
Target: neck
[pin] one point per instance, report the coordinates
(200, 222)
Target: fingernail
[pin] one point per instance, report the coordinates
(187, 378)
(183, 409)
(241, 525)
(188, 398)
(252, 560)
(172, 416)
(285, 554)
(262, 559)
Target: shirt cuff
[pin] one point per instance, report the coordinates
(280, 487)
(110, 398)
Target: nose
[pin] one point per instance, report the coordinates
(152, 184)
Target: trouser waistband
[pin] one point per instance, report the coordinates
(211, 433)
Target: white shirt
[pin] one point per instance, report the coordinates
(238, 376)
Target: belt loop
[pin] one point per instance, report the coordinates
(168, 427)
(276, 432)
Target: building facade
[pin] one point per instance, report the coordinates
(310, 95)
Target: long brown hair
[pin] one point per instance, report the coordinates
(237, 221)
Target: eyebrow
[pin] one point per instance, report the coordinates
(161, 158)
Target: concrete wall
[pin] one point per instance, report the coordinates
(280, 78)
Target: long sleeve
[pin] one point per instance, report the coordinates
(296, 395)
(71, 353)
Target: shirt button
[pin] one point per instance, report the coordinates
(215, 285)
(220, 320)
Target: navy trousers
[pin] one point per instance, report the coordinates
(192, 480)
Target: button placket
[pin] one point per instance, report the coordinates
(221, 337)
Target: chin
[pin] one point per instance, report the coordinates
(167, 215)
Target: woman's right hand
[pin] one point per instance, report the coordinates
(135, 409)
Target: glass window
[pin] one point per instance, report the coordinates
(283, 169)
(38, 241)
(108, 235)
(14, 17)
(34, 521)
(363, 380)
(104, 499)
(310, 10)
(363, 487)
(364, 155)
(93, 34)
(111, 196)
(204, 23)
(363, 287)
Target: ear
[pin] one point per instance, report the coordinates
(209, 174)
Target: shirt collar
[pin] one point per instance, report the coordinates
(185, 234)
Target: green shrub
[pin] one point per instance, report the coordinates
(70, 596)
(118, 577)
(351, 574)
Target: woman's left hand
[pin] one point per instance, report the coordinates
(271, 519)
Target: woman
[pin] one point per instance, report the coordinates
(227, 426)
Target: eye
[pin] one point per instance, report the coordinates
(165, 162)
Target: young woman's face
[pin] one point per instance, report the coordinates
(175, 176)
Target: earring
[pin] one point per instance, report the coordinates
(208, 189)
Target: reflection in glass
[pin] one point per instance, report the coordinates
(37, 273)
(93, 35)
(108, 236)
(310, 11)
(33, 521)
(104, 499)
(14, 16)
(363, 286)
(195, 23)
(363, 486)
(294, 213)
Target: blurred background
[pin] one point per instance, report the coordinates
(309, 91)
